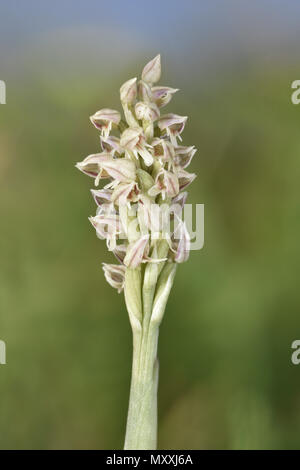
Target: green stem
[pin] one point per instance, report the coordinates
(146, 299)
(141, 431)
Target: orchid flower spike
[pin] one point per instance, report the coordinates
(141, 170)
(145, 173)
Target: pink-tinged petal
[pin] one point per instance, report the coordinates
(105, 116)
(115, 275)
(144, 91)
(107, 226)
(169, 153)
(125, 192)
(179, 200)
(133, 140)
(120, 169)
(145, 154)
(172, 125)
(184, 155)
(128, 91)
(171, 184)
(146, 111)
(183, 243)
(166, 183)
(111, 144)
(155, 190)
(101, 196)
(120, 252)
(172, 121)
(136, 251)
(162, 95)
(164, 151)
(91, 165)
(144, 213)
(185, 178)
(106, 208)
(152, 71)
(130, 137)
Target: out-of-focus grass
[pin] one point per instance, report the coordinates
(226, 376)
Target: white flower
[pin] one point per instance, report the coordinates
(185, 178)
(111, 144)
(120, 169)
(92, 165)
(105, 119)
(125, 193)
(114, 274)
(101, 196)
(136, 252)
(164, 151)
(108, 227)
(184, 155)
(133, 140)
(146, 111)
(162, 95)
(173, 124)
(120, 252)
(166, 184)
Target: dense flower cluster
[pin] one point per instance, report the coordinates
(146, 169)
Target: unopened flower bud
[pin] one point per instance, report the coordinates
(128, 91)
(152, 71)
(145, 180)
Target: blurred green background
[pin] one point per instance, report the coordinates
(226, 377)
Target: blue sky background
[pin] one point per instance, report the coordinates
(195, 31)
